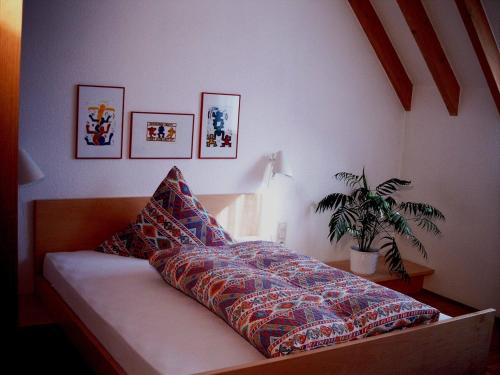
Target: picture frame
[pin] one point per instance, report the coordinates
(161, 135)
(99, 122)
(219, 125)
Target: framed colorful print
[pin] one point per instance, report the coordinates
(219, 123)
(99, 123)
(156, 135)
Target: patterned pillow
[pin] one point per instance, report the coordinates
(172, 217)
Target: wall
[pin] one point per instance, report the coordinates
(310, 84)
(454, 163)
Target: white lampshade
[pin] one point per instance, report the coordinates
(281, 165)
(29, 171)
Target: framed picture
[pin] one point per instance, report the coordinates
(219, 123)
(99, 123)
(155, 135)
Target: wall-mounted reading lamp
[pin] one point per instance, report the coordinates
(28, 170)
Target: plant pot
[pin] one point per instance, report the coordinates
(363, 262)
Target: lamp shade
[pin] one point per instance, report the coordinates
(29, 171)
(281, 165)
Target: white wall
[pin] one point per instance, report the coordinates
(310, 83)
(454, 162)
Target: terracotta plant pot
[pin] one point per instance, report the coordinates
(363, 262)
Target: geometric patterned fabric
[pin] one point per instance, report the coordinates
(172, 217)
(282, 302)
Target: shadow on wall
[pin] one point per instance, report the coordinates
(26, 266)
(256, 175)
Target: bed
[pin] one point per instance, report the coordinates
(66, 229)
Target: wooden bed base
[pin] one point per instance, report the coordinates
(89, 346)
(457, 345)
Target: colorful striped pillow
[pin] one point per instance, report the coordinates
(172, 217)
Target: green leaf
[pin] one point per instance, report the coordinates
(393, 258)
(400, 224)
(428, 225)
(390, 186)
(332, 202)
(341, 222)
(363, 178)
(419, 245)
(349, 178)
(359, 194)
(421, 209)
(390, 201)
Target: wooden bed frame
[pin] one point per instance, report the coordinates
(457, 345)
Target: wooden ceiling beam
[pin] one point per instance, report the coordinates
(434, 56)
(484, 44)
(386, 53)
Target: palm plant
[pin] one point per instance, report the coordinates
(374, 215)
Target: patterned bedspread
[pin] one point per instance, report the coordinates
(282, 302)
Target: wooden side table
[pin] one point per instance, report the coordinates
(382, 276)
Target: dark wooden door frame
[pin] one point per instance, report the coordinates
(10, 61)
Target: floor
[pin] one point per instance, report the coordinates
(44, 349)
(41, 339)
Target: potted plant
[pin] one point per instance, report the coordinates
(375, 217)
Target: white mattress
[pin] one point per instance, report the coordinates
(145, 324)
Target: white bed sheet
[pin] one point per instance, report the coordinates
(145, 324)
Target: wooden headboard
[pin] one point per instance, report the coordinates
(82, 224)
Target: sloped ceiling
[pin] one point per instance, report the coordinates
(455, 42)
(492, 9)
(451, 32)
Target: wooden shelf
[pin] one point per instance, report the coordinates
(382, 276)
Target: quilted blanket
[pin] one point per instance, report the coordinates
(283, 302)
